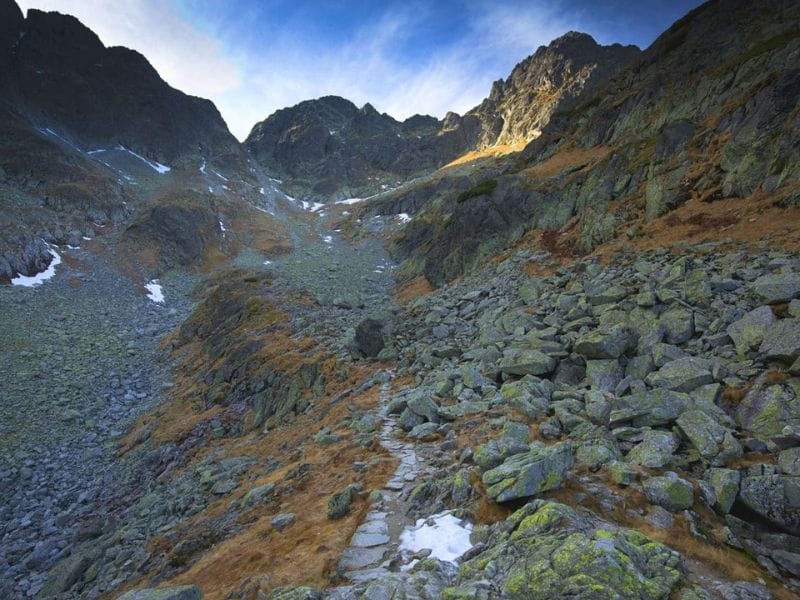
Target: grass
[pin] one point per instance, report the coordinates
(484, 188)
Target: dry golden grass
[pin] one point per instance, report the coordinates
(490, 152)
(411, 290)
(568, 159)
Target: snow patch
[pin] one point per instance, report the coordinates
(263, 193)
(310, 206)
(327, 239)
(350, 201)
(39, 278)
(203, 167)
(267, 262)
(404, 217)
(210, 189)
(154, 291)
(222, 227)
(447, 537)
(98, 151)
(156, 166)
(220, 175)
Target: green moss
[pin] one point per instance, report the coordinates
(484, 188)
(774, 43)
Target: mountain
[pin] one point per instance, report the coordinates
(572, 65)
(88, 134)
(330, 149)
(706, 113)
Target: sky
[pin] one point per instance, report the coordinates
(253, 57)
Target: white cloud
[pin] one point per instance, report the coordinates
(184, 57)
(292, 67)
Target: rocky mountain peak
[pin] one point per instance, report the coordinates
(11, 19)
(519, 107)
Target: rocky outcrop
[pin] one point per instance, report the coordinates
(705, 113)
(519, 108)
(330, 149)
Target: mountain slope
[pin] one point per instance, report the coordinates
(328, 148)
(708, 112)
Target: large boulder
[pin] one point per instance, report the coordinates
(782, 341)
(526, 362)
(773, 289)
(523, 475)
(682, 375)
(606, 343)
(749, 331)
(552, 551)
(369, 337)
(656, 450)
(774, 496)
(725, 485)
(513, 440)
(714, 442)
(670, 492)
(767, 409)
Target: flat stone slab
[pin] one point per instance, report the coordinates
(394, 485)
(369, 540)
(359, 558)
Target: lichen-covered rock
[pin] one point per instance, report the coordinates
(540, 469)
(606, 343)
(789, 461)
(767, 409)
(513, 440)
(725, 484)
(713, 441)
(653, 408)
(554, 552)
(526, 362)
(670, 492)
(184, 592)
(339, 503)
(749, 331)
(678, 324)
(682, 375)
(604, 375)
(774, 496)
(656, 450)
(773, 289)
(782, 341)
(294, 593)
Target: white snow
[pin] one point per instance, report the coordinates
(220, 175)
(98, 151)
(349, 201)
(267, 262)
(154, 291)
(73, 247)
(346, 213)
(210, 189)
(275, 180)
(88, 239)
(447, 538)
(39, 278)
(404, 217)
(327, 239)
(332, 131)
(309, 206)
(222, 227)
(156, 166)
(203, 167)
(263, 193)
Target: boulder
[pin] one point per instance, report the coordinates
(606, 343)
(526, 362)
(789, 461)
(782, 341)
(682, 375)
(513, 440)
(339, 503)
(670, 492)
(774, 496)
(656, 450)
(369, 337)
(540, 469)
(749, 331)
(725, 484)
(604, 375)
(678, 324)
(773, 289)
(714, 442)
(767, 409)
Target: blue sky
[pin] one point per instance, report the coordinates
(253, 57)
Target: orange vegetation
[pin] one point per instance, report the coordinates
(490, 152)
(568, 160)
(411, 290)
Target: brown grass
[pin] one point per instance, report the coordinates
(570, 159)
(411, 290)
(491, 152)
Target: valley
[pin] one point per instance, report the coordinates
(547, 349)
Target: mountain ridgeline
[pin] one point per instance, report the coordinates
(329, 149)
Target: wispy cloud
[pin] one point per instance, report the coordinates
(248, 84)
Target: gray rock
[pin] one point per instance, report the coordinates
(603, 375)
(670, 492)
(767, 409)
(789, 461)
(725, 484)
(773, 289)
(782, 341)
(526, 362)
(282, 521)
(369, 337)
(678, 324)
(714, 442)
(774, 496)
(523, 475)
(258, 494)
(514, 440)
(423, 405)
(606, 343)
(748, 332)
(184, 592)
(682, 375)
(656, 450)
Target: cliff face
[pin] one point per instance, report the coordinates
(61, 76)
(708, 112)
(518, 108)
(329, 148)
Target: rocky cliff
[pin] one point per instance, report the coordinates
(518, 108)
(708, 112)
(328, 148)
